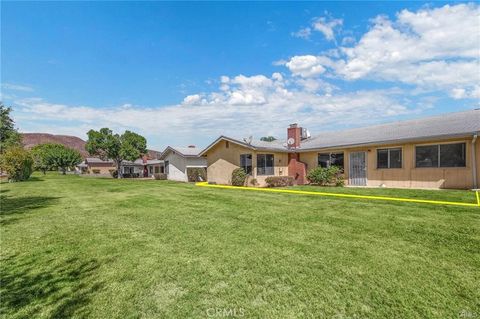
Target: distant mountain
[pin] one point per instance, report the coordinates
(32, 139)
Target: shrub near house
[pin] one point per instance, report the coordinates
(326, 176)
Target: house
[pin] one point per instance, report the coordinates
(436, 152)
(142, 167)
(97, 166)
(179, 160)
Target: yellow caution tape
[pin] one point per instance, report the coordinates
(397, 199)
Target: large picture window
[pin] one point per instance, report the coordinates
(441, 155)
(265, 164)
(330, 159)
(246, 163)
(389, 158)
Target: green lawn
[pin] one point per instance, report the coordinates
(103, 248)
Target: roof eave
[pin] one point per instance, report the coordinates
(387, 142)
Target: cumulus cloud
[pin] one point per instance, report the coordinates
(325, 25)
(433, 48)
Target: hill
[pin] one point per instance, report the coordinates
(32, 139)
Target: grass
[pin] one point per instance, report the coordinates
(102, 248)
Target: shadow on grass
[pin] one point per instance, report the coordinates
(12, 208)
(16, 205)
(30, 289)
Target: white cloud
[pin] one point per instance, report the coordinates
(16, 87)
(433, 49)
(303, 33)
(253, 105)
(305, 66)
(192, 99)
(327, 26)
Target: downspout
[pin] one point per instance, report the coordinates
(474, 161)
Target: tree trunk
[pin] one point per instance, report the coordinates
(64, 171)
(119, 171)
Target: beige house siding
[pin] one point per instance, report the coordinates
(103, 168)
(222, 161)
(408, 176)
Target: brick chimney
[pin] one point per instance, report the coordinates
(295, 133)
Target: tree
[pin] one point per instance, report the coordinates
(42, 159)
(268, 139)
(126, 147)
(17, 162)
(9, 137)
(54, 156)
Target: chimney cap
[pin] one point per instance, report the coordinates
(294, 125)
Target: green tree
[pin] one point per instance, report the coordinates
(126, 147)
(17, 162)
(55, 156)
(62, 157)
(9, 136)
(268, 139)
(42, 159)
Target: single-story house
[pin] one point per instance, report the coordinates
(436, 152)
(142, 167)
(178, 160)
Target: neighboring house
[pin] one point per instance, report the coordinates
(436, 152)
(142, 167)
(95, 165)
(178, 160)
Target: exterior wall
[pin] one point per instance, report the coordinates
(195, 161)
(102, 167)
(176, 167)
(409, 176)
(222, 161)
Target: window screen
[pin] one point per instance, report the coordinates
(265, 164)
(246, 163)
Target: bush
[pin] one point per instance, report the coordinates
(160, 176)
(18, 163)
(279, 181)
(239, 177)
(113, 173)
(326, 176)
(95, 171)
(254, 182)
(196, 174)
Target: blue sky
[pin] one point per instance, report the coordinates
(182, 73)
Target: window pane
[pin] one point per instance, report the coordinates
(269, 164)
(426, 156)
(452, 155)
(337, 160)
(265, 164)
(396, 158)
(260, 164)
(323, 160)
(382, 158)
(246, 162)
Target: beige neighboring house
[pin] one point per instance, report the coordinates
(178, 160)
(142, 167)
(436, 152)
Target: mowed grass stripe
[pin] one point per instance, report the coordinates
(317, 193)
